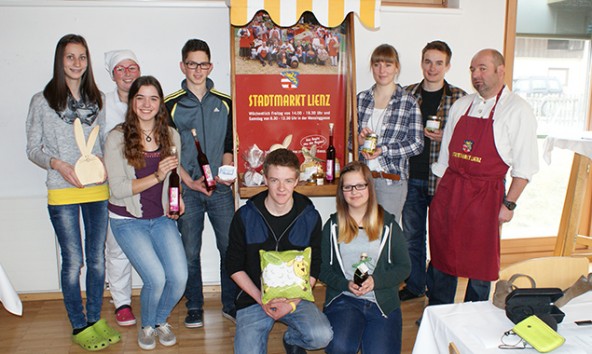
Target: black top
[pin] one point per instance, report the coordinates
(419, 166)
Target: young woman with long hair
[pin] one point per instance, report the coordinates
(365, 316)
(51, 144)
(393, 115)
(139, 158)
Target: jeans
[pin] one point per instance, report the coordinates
(66, 223)
(308, 328)
(220, 209)
(119, 272)
(391, 196)
(359, 324)
(154, 248)
(415, 213)
(442, 288)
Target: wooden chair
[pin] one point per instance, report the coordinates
(556, 272)
(452, 348)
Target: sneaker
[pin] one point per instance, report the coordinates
(292, 349)
(194, 319)
(124, 316)
(166, 337)
(230, 315)
(405, 294)
(147, 338)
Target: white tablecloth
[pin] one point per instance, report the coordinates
(477, 327)
(578, 142)
(8, 295)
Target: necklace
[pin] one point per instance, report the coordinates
(148, 137)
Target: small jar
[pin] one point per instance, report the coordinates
(370, 143)
(434, 123)
(319, 178)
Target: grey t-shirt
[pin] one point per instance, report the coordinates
(350, 254)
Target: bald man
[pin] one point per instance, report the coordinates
(487, 133)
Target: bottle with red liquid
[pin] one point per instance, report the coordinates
(330, 173)
(202, 160)
(174, 188)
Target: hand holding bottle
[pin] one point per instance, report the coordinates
(359, 290)
(165, 166)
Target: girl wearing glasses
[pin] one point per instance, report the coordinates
(362, 235)
(51, 144)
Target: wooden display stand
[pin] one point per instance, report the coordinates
(578, 192)
(273, 103)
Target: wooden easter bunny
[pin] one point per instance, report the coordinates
(89, 168)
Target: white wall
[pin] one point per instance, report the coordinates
(156, 31)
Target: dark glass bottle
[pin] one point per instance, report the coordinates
(330, 173)
(362, 270)
(202, 160)
(174, 188)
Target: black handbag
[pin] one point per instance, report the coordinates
(522, 303)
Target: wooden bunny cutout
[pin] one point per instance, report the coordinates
(283, 145)
(89, 168)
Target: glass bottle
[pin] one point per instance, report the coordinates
(362, 270)
(330, 173)
(174, 188)
(202, 160)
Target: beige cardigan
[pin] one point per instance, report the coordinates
(121, 174)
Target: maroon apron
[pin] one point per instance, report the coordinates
(464, 214)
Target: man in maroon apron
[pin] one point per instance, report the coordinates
(487, 133)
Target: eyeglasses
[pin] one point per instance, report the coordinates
(132, 69)
(193, 65)
(358, 187)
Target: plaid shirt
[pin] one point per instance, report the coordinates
(451, 94)
(401, 135)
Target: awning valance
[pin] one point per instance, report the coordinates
(285, 13)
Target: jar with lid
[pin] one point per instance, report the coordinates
(434, 123)
(370, 143)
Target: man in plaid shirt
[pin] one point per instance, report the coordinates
(434, 96)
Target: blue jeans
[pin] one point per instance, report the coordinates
(442, 288)
(66, 224)
(220, 209)
(154, 248)
(308, 328)
(359, 324)
(415, 213)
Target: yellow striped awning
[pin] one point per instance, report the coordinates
(285, 13)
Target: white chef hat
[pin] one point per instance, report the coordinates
(115, 57)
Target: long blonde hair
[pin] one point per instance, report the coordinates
(373, 219)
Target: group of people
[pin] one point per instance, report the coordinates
(304, 43)
(142, 137)
(457, 171)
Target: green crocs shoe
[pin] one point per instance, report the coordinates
(89, 339)
(104, 330)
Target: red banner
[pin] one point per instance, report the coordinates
(289, 82)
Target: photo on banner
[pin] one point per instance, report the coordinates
(290, 83)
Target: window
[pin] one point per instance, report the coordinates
(548, 58)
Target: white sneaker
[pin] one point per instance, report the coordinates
(166, 337)
(147, 338)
